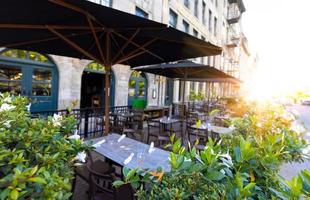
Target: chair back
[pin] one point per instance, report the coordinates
(179, 110)
(138, 118)
(191, 118)
(196, 134)
(99, 181)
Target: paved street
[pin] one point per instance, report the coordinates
(291, 169)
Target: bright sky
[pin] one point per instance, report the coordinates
(279, 31)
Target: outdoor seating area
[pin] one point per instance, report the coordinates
(137, 141)
(101, 104)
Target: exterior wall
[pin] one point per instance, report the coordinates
(122, 75)
(70, 76)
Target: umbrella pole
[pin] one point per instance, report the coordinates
(107, 102)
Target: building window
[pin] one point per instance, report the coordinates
(186, 3)
(200, 86)
(173, 19)
(210, 21)
(192, 86)
(30, 74)
(196, 8)
(215, 26)
(195, 32)
(95, 67)
(137, 88)
(203, 13)
(185, 26)
(104, 2)
(141, 13)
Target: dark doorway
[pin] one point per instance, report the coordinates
(92, 94)
(169, 91)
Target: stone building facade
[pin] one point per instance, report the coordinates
(209, 20)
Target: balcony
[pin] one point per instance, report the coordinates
(235, 10)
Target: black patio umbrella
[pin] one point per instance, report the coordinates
(186, 71)
(85, 30)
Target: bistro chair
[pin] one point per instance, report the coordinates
(179, 111)
(97, 165)
(198, 136)
(134, 128)
(101, 187)
(191, 118)
(154, 131)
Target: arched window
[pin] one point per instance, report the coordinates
(30, 74)
(137, 87)
(93, 66)
(25, 55)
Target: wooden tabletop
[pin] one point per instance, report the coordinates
(119, 151)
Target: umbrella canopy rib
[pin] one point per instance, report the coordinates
(138, 46)
(136, 52)
(74, 45)
(125, 45)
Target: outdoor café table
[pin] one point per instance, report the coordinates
(222, 117)
(216, 129)
(201, 115)
(119, 151)
(166, 121)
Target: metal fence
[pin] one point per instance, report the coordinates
(90, 120)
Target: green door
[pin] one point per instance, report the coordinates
(27, 74)
(137, 88)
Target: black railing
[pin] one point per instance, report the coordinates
(90, 120)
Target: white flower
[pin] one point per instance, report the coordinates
(6, 107)
(57, 120)
(81, 156)
(259, 125)
(75, 136)
(297, 127)
(306, 150)
(288, 116)
(7, 100)
(7, 124)
(28, 107)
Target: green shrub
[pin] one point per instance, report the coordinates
(193, 96)
(244, 165)
(36, 155)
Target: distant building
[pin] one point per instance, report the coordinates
(55, 82)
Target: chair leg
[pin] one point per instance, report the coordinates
(148, 135)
